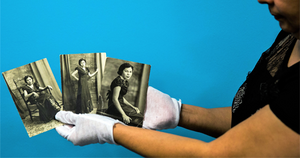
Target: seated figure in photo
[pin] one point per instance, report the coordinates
(45, 102)
(117, 104)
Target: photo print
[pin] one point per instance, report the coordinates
(36, 95)
(124, 91)
(81, 81)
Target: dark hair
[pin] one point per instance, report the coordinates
(28, 76)
(81, 60)
(123, 66)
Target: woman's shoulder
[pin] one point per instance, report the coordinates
(117, 82)
(283, 39)
(37, 85)
(78, 67)
(281, 36)
(25, 87)
(81, 70)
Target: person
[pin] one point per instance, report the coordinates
(262, 121)
(84, 102)
(117, 104)
(45, 102)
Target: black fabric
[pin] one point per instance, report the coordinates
(286, 105)
(271, 82)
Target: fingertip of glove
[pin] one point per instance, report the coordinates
(59, 128)
(58, 115)
(62, 130)
(65, 116)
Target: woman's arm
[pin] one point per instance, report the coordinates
(43, 88)
(74, 75)
(27, 95)
(116, 92)
(129, 104)
(213, 122)
(262, 134)
(93, 74)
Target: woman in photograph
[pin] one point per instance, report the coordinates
(45, 101)
(84, 101)
(117, 104)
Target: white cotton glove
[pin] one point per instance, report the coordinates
(83, 129)
(162, 111)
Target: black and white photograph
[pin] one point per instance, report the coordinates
(36, 95)
(124, 91)
(81, 81)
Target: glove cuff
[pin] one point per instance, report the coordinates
(177, 107)
(112, 140)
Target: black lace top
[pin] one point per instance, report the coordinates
(271, 82)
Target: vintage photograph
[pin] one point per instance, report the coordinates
(81, 81)
(36, 95)
(124, 91)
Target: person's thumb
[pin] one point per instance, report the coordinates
(66, 117)
(65, 130)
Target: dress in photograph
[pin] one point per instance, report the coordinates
(84, 102)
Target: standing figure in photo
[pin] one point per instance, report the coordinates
(84, 101)
(117, 104)
(45, 102)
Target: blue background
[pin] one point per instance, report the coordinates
(200, 52)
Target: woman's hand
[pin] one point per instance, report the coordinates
(35, 95)
(136, 109)
(126, 119)
(49, 87)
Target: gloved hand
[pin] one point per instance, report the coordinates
(83, 129)
(162, 111)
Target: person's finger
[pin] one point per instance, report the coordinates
(67, 117)
(129, 119)
(65, 130)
